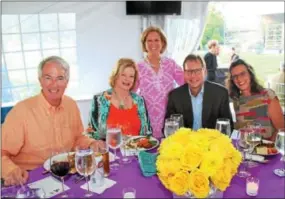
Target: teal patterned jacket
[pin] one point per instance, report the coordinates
(100, 109)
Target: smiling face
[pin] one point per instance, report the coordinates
(126, 79)
(53, 82)
(194, 74)
(241, 77)
(153, 43)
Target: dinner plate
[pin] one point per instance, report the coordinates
(264, 142)
(152, 139)
(59, 157)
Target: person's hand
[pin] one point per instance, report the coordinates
(16, 177)
(98, 144)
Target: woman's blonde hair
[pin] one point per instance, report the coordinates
(121, 65)
(161, 34)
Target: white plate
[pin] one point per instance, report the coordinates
(151, 139)
(254, 152)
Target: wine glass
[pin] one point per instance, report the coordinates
(280, 146)
(170, 126)
(178, 118)
(60, 166)
(126, 139)
(114, 141)
(223, 125)
(243, 148)
(85, 165)
(253, 138)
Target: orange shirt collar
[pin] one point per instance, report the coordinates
(48, 106)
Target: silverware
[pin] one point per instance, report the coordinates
(79, 179)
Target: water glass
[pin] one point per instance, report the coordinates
(252, 186)
(178, 118)
(114, 141)
(124, 149)
(280, 146)
(224, 126)
(170, 126)
(243, 148)
(129, 192)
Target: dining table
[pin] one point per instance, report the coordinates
(130, 175)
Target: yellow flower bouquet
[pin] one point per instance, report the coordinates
(191, 161)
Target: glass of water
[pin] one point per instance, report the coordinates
(178, 118)
(170, 126)
(280, 146)
(223, 125)
(129, 192)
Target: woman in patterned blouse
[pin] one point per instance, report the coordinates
(157, 76)
(252, 102)
(120, 106)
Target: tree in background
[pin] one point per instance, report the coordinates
(214, 27)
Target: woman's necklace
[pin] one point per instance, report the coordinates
(152, 65)
(121, 101)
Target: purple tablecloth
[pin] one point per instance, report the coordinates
(271, 186)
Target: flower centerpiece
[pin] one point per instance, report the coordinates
(191, 162)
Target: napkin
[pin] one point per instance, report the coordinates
(99, 189)
(50, 186)
(147, 163)
(257, 158)
(128, 152)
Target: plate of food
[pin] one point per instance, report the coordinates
(142, 143)
(62, 156)
(266, 148)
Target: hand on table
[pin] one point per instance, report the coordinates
(16, 177)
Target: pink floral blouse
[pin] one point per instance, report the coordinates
(154, 87)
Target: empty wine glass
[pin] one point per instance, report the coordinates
(60, 166)
(280, 146)
(114, 141)
(243, 147)
(223, 125)
(178, 118)
(170, 126)
(85, 165)
(124, 148)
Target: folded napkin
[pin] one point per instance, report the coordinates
(256, 158)
(147, 163)
(99, 189)
(50, 186)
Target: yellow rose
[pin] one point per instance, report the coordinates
(191, 157)
(200, 141)
(168, 166)
(209, 133)
(173, 149)
(222, 177)
(211, 162)
(198, 184)
(178, 184)
(164, 180)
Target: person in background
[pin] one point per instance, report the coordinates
(158, 75)
(120, 106)
(38, 125)
(201, 102)
(277, 83)
(211, 59)
(234, 56)
(252, 102)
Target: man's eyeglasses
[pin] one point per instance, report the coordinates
(242, 74)
(58, 80)
(194, 71)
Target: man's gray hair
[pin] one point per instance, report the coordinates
(56, 59)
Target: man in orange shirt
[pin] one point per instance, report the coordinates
(40, 124)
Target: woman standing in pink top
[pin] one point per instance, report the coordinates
(157, 76)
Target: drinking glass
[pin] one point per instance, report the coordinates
(125, 158)
(252, 186)
(243, 147)
(114, 141)
(223, 125)
(60, 166)
(170, 126)
(280, 146)
(85, 165)
(253, 138)
(178, 118)
(129, 192)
